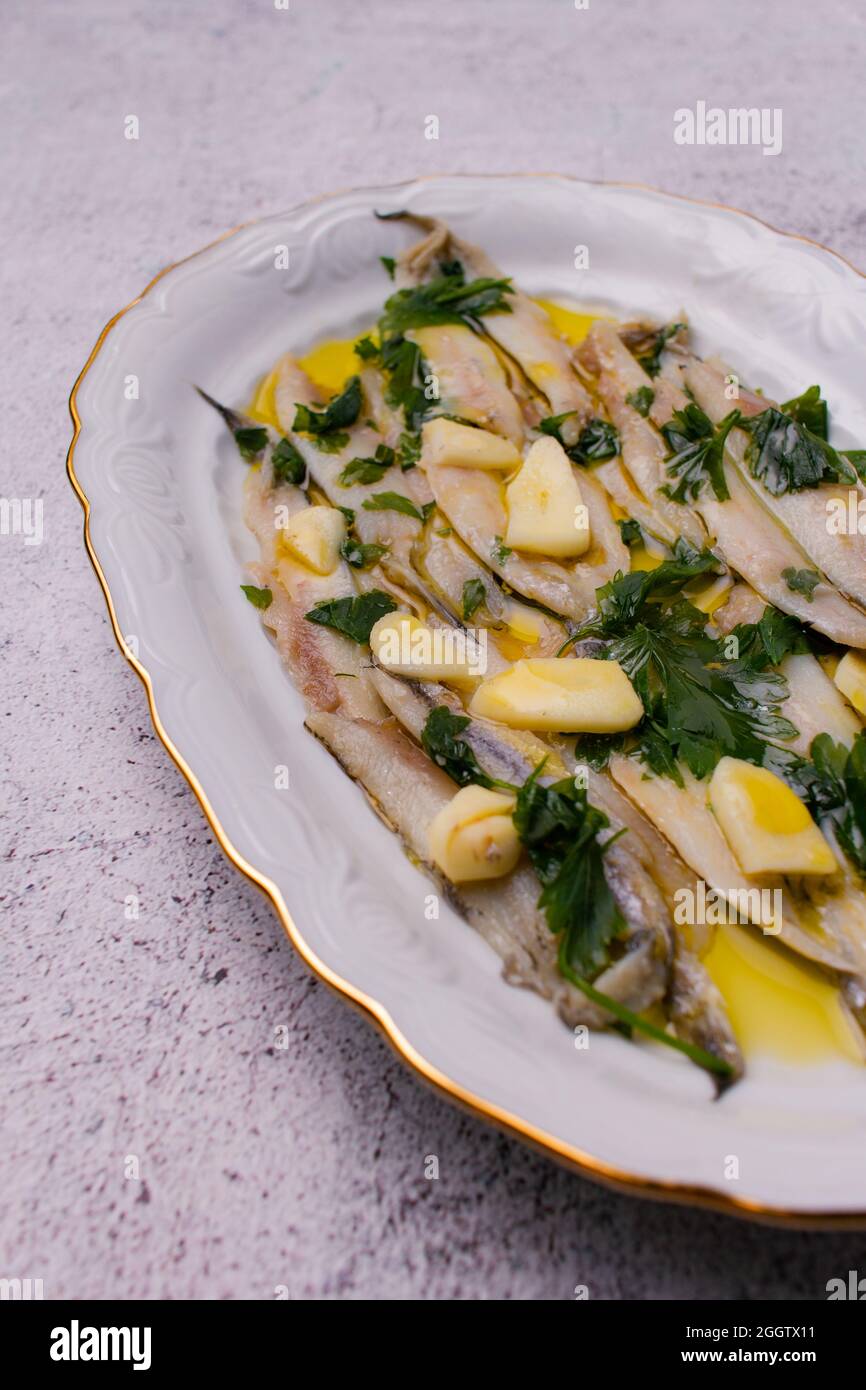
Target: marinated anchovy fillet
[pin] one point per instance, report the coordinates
(840, 555)
(474, 503)
(659, 963)
(756, 544)
(524, 333)
(620, 379)
(814, 703)
(639, 977)
(470, 379)
(407, 790)
(313, 654)
(751, 540)
(330, 468)
(573, 619)
(825, 925)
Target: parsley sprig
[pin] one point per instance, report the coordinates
(642, 399)
(446, 298)
(651, 358)
(442, 740)
(768, 641)
(328, 427)
(404, 367)
(396, 502)
(474, 594)
(251, 441)
(560, 830)
(288, 464)
(803, 581)
(630, 531)
(368, 470)
(624, 597)
(703, 707)
(699, 705)
(259, 598)
(355, 617)
(597, 440)
(809, 409)
(788, 448)
(697, 453)
(360, 555)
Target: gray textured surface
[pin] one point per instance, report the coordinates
(153, 1038)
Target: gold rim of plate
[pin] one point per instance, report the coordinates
(568, 1155)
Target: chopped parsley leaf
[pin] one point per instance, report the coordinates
(288, 463)
(391, 502)
(259, 598)
(697, 453)
(354, 617)
(630, 531)
(251, 441)
(474, 594)
(359, 555)
(641, 399)
(340, 412)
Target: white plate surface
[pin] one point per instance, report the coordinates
(163, 483)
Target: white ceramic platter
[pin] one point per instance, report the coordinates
(161, 483)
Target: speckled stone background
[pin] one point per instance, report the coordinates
(153, 1038)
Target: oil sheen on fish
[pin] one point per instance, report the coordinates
(621, 799)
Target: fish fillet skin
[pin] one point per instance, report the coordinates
(656, 854)
(443, 566)
(496, 376)
(814, 704)
(474, 502)
(841, 557)
(387, 419)
(313, 654)
(638, 977)
(604, 352)
(405, 787)
(394, 529)
(741, 530)
(326, 667)
(643, 456)
(407, 790)
(824, 923)
(643, 449)
(525, 333)
(470, 379)
(697, 1010)
(759, 550)
(620, 487)
(643, 871)
(637, 339)
(446, 565)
